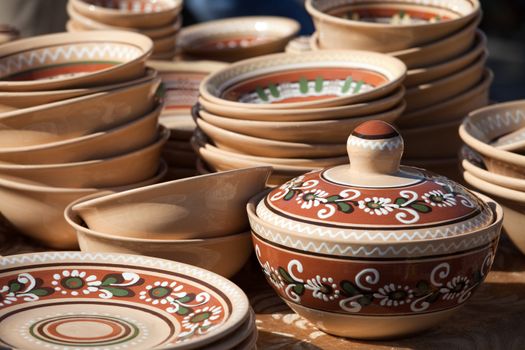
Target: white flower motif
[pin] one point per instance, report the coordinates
(201, 320)
(311, 198)
(273, 275)
(455, 287)
(323, 288)
(162, 292)
(377, 205)
(439, 198)
(394, 295)
(75, 282)
(8, 298)
(292, 183)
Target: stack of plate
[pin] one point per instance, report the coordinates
(493, 160)
(160, 20)
(78, 113)
(445, 55)
(293, 112)
(181, 82)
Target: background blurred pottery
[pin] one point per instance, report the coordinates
(444, 166)
(299, 44)
(7, 33)
(432, 142)
(66, 60)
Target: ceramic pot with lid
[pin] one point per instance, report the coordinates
(373, 249)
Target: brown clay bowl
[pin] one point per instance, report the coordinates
(164, 44)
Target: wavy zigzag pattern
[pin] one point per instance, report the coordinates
(376, 144)
(498, 121)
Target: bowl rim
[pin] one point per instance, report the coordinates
(175, 5)
(493, 189)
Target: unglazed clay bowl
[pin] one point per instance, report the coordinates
(194, 208)
(116, 171)
(233, 39)
(67, 60)
(224, 255)
(299, 44)
(75, 117)
(484, 125)
(43, 216)
(308, 114)
(334, 131)
(112, 301)
(319, 79)
(387, 26)
(123, 139)
(513, 142)
(130, 13)
(429, 141)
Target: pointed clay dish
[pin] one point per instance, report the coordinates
(374, 249)
(111, 301)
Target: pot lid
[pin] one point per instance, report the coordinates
(375, 195)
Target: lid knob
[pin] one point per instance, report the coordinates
(374, 147)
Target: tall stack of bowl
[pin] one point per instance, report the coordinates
(293, 111)
(445, 54)
(493, 160)
(78, 113)
(158, 20)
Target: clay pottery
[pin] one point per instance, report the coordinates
(387, 26)
(484, 125)
(181, 127)
(164, 44)
(448, 167)
(372, 241)
(144, 14)
(513, 142)
(8, 33)
(96, 299)
(299, 44)
(323, 131)
(238, 38)
(43, 216)
(308, 114)
(194, 208)
(123, 139)
(120, 170)
(321, 79)
(165, 56)
(73, 60)
(432, 141)
(455, 108)
(76, 117)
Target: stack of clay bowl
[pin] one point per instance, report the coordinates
(78, 113)
(445, 55)
(234, 39)
(293, 112)
(493, 160)
(181, 82)
(160, 20)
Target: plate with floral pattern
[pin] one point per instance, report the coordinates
(66, 300)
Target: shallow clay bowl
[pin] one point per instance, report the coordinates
(104, 144)
(92, 299)
(323, 131)
(320, 79)
(43, 216)
(120, 170)
(130, 13)
(366, 25)
(432, 141)
(10, 101)
(484, 125)
(80, 116)
(199, 207)
(233, 39)
(307, 114)
(73, 60)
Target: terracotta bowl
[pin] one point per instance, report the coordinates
(350, 296)
(484, 125)
(10, 101)
(437, 91)
(130, 13)
(120, 170)
(321, 79)
(323, 131)
(199, 207)
(43, 216)
(164, 56)
(455, 108)
(132, 136)
(233, 39)
(80, 116)
(164, 44)
(67, 60)
(388, 25)
(448, 167)
(8, 33)
(432, 141)
(308, 114)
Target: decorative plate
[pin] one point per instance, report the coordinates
(64, 300)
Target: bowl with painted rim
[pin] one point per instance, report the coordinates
(73, 60)
(319, 79)
(386, 26)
